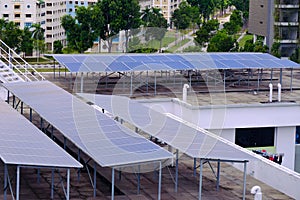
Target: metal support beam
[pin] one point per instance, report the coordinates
(22, 107)
(176, 171)
(218, 175)
(42, 124)
(52, 183)
(154, 82)
(30, 114)
(200, 179)
(38, 175)
(245, 176)
(139, 180)
(112, 183)
(291, 84)
(95, 180)
(78, 171)
(52, 132)
(81, 82)
(68, 185)
(159, 182)
(18, 183)
(131, 89)
(5, 182)
(195, 167)
(65, 143)
(8, 97)
(280, 80)
(14, 101)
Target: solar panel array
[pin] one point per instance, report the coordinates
(99, 136)
(22, 143)
(169, 62)
(193, 142)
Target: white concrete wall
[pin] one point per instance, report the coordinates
(228, 134)
(285, 143)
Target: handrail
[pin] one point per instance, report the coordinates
(12, 54)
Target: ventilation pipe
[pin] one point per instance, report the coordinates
(184, 92)
(271, 92)
(279, 92)
(256, 190)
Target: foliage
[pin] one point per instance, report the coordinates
(156, 24)
(38, 38)
(221, 42)
(275, 49)
(241, 5)
(11, 35)
(192, 49)
(235, 23)
(27, 42)
(185, 16)
(296, 56)
(57, 45)
(205, 32)
(206, 8)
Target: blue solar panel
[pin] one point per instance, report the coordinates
(152, 62)
(117, 66)
(251, 63)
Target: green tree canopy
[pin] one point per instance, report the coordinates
(185, 16)
(221, 42)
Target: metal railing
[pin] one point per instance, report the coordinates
(17, 63)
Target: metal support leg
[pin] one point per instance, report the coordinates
(195, 167)
(65, 143)
(52, 132)
(22, 108)
(155, 83)
(200, 180)
(52, 183)
(245, 176)
(176, 171)
(42, 124)
(68, 185)
(78, 171)
(159, 182)
(131, 89)
(5, 182)
(30, 114)
(38, 175)
(95, 179)
(139, 180)
(120, 175)
(81, 82)
(8, 97)
(112, 183)
(291, 84)
(18, 183)
(280, 76)
(14, 101)
(218, 176)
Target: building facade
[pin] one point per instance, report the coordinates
(277, 21)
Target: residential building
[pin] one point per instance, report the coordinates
(71, 5)
(167, 6)
(277, 21)
(23, 13)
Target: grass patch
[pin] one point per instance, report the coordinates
(44, 70)
(179, 44)
(244, 39)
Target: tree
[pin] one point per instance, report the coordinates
(205, 31)
(241, 5)
(12, 35)
(296, 56)
(235, 23)
(156, 23)
(38, 38)
(206, 8)
(27, 42)
(221, 42)
(275, 49)
(202, 36)
(185, 15)
(118, 15)
(57, 46)
(81, 32)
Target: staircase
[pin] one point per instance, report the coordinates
(13, 68)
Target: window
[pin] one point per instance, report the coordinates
(255, 137)
(28, 6)
(5, 15)
(27, 24)
(48, 36)
(70, 9)
(17, 7)
(297, 134)
(261, 22)
(17, 23)
(28, 15)
(49, 28)
(17, 15)
(70, 2)
(5, 6)
(49, 12)
(261, 6)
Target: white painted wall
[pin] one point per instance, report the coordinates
(228, 134)
(285, 143)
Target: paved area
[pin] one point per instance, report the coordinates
(231, 180)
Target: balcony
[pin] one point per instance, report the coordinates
(288, 41)
(286, 23)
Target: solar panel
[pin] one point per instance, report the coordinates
(153, 62)
(24, 144)
(89, 129)
(196, 143)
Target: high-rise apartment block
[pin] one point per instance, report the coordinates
(277, 21)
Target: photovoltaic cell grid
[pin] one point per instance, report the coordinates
(97, 135)
(171, 62)
(21, 143)
(195, 143)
